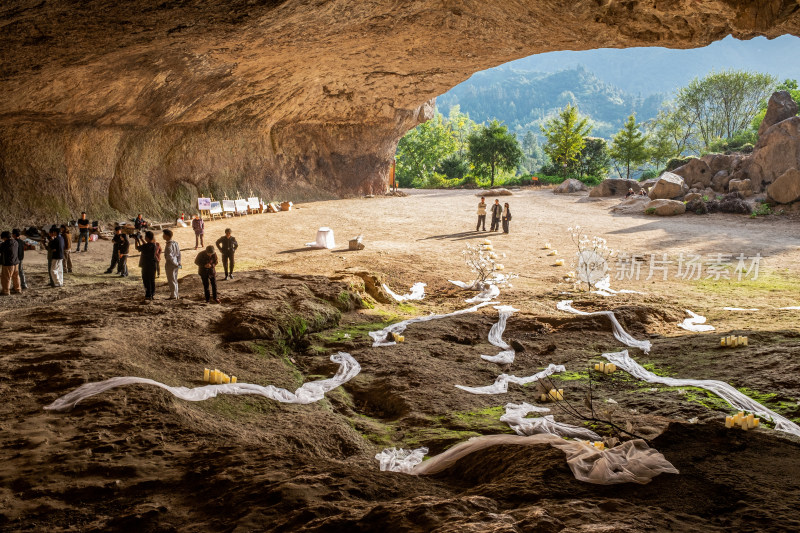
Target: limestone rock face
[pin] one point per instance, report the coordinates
(744, 187)
(696, 173)
(569, 186)
(665, 208)
(777, 151)
(668, 186)
(630, 206)
(780, 107)
(119, 107)
(785, 189)
(720, 180)
(614, 187)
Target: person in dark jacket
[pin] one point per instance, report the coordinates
(497, 211)
(227, 246)
(83, 232)
(140, 223)
(206, 262)
(116, 240)
(124, 250)
(199, 228)
(67, 236)
(147, 262)
(56, 248)
(21, 254)
(506, 217)
(9, 257)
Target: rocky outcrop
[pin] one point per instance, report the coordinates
(743, 187)
(777, 151)
(630, 206)
(780, 107)
(614, 187)
(665, 208)
(696, 173)
(668, 186)
(117, 107)
(570, 186)
(785, 189)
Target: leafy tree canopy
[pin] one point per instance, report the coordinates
(492, 147)
(564, 134)
(629, 148)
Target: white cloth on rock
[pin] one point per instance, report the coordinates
(310, 392)
(400, 460)
(496, 337)
(604, 288)
(380, 338)
(324, 239)
(500, 385)
(515, 418)
(417, 292)
(695, 323)
(728, 393)
(619, 332)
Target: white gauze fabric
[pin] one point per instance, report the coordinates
(619, 333)
(486, 295)
(720, 388)
(695, 323)
(515, 418)
(792, 308)
(417, 292)
(604, 288)
(400, 460)
(380, 337)
(496, 337)
(500, 385)
(632, 461)
(489, 290)
(310, 392)
(739, 309)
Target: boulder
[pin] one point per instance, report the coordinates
(720, 181)
(744, 187)
(665, 208)
(781, 106)
(692, 196)
(717, 162)
(570, 185)
(785, 189)
(777, 151)
(494, 192)
(646, 184)
(614, 187)
(668, 186)
(696, 173)
(631, 206)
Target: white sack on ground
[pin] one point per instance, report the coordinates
(496, 337)
(720, 388)
(619, 333)
(380, 337)
(515, 418)
(739, 309)
(310, 392)
(695, 323)
(417, 292)
(634, 462)
(604, 288)
(500, 385)
(324, 239)
(400, 460)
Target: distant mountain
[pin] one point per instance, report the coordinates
(524, 99)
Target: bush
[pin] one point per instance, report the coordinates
(761, 209)
(650, 211)
(440, 181)
(648, 174)
(677, 162)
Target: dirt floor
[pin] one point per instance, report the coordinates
(136, 458)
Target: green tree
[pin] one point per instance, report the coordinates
(460, 126)
(593, 159)
(420, 151)
(565, 137)
(724, 103)
(629, 147)
(493, 147)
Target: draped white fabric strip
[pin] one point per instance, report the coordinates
(604, 288)
(739, 309)
(380, 337)
(417, 292)
(500, 385)
(695, 323)
(400, 460)
(720, 388)
(515, 418)
(310, 392)
(619, 333)
(496, 337)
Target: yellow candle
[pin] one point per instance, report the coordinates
(728, 421)
(498, 266)
(233, 379)
(745, 341)
(401, 338)
(560, 394)
(205, 374)
(722, 341)
(559, 262)
(227, 378)
(547, 246)
(487, 242)
(597, 366)
(756, 421)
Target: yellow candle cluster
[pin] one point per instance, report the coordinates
(217, 377)
(552, 252)
(732, 341)
(499, 266)
(547, 246)
(743, 421)
(605, 368)
(600, 445)
(487, 242)
(553, 395)
(397, 338)
(559, 263)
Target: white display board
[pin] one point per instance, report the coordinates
(241, 206)
(253, 203)
(229, 206)
(216, 208)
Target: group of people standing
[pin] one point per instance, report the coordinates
(500, 214)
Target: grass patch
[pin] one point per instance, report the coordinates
(651, 367)
(766, 285)
(570, 376)
(481, 420)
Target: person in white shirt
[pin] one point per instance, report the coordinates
(481, 215)
(172, 260)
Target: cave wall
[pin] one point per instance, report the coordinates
(118, 107)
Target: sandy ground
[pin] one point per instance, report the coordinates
(138, 459)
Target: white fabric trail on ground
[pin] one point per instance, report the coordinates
(496, 337)
(604, 288)
(400, 460)
(310, 392)
(792, 308)
(500, 385)
(489, 289)
(739, 309)
(417, 292)
(695, 323)
(720, 388)
(515, 418)
(619, 333)
(380, 337)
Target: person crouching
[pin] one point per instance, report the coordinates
(206, 262)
